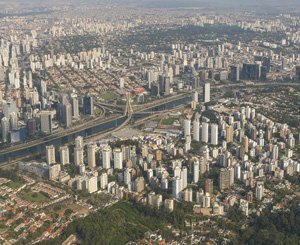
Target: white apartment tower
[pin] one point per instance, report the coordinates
(106, 155)
(64, 155)
(50, 154)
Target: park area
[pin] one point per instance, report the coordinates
(168, 121)
(32, 196)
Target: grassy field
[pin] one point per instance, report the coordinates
(108, 96)
(14, 185)
(31, 196)
(168, 121)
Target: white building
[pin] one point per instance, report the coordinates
(64, 155)
(50, 154)
(4, 128)
(92, 184)
(106, 156)
(196, 130)
(206, 92)
(118, 158)
(214, 134)
(78, 155)
(79, 142)
(204, 132)
(103, 181)
(196, 171)
(176, 188)
(184, 177)
(187, 127)
(91, 154)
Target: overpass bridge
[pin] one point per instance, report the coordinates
(93, 127)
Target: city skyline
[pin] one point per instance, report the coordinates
(149, 122)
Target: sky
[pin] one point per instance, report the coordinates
(235, 4)
(216, 3)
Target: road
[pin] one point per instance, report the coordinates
(90, 128)
(100, 125)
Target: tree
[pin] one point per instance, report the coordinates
(68, 212)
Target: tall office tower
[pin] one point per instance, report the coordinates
(214, 134)
(4, 128)
(204, 132)
(78, 156)
(91, 154)
(67, 114)
(275, 152)
(46, 122)
(75, 106)
(43, 88)
(259, 191)
(176, 188)
(234, 73)
(118, 158)
(265, 62)
(251, 72)
(209, 186)
(50, 154)
(229, 134)
(31, 127)
(64, 155)
(88, 105)
(224, 178)
(164, 84)
(196, 129)
(237, 171)
(149, 78)
(196, 170)
(79, 141)
(187, 127)
(206, 92)
(184, 177)
(297, 72)
(14, 121)
(106, 154)
(245, 142)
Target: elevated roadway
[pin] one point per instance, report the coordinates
(90, 128)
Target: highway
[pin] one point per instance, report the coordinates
(90, 128)
(100, 125)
